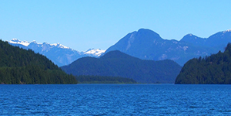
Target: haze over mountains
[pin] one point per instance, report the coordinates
(147, 44)
(58, 53)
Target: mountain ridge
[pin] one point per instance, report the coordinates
(148, 45)
(58, 53)
(20, 66)
(144, 44)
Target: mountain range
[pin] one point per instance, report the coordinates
(118, 64)
(144, 44)
(57, 53)
(141, 55)
(147, 44)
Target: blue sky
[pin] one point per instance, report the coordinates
(84, 24)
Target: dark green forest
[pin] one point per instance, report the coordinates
(215, 69)
(84, 79)
(19, 66)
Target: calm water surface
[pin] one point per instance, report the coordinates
(115, 100)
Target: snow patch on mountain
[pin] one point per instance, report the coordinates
(46, 47)
(96, 52)
(57, 53)
(229, 30)
(16, 41)
(185, 48)
(25, 43)
(130, 41)
(60, 45)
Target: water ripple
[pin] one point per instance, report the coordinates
(100, 100)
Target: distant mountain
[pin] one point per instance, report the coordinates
(118, 64)
(215, 69)
(192, 39)
(147, 44)
(220, 39)
(94, 52)
(58, 53)
(19, 66)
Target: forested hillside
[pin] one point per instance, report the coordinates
(19, 66)
(118, 64)
(215, 69)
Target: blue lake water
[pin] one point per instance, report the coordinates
(115, 100)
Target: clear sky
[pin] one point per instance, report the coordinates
(84, 24)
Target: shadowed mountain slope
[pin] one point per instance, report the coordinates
(118, 64)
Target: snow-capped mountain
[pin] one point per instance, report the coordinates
(58, 53)
(95, 52)
(16, 41)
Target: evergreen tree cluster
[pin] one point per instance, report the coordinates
(19, 66)
(215, 69)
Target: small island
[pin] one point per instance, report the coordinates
(215, 69)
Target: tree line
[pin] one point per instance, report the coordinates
(19, 66)
(215, 69)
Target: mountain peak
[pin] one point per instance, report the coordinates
(190, 35)
(96, 52)
(16, 41)
(147, 33)
(59, 45)
(229, 30)
(191, 38)
(34, 42)
(143, 38)
(143, 29)
(45, 43)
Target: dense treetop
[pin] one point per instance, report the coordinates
(26, 67)
(215, 69)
